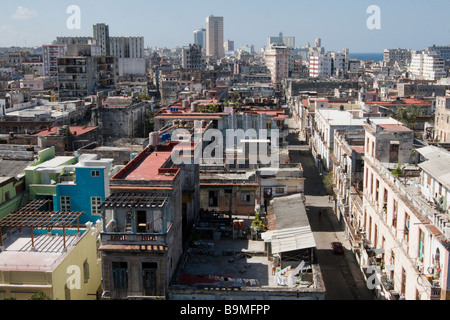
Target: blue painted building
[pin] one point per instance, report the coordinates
(78, 184)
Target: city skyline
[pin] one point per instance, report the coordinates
(172, 23)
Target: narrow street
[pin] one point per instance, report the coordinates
(341, 274)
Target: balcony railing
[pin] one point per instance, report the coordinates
(133, 238)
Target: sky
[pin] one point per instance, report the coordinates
(340, 24)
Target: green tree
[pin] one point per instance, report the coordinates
(408, 115)
(328, 182)
(39, 296)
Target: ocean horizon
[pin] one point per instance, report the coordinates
(373, 56)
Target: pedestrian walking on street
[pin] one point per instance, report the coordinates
(329, 199)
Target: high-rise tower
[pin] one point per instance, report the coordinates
(214, 37)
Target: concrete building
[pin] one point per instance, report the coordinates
(215, 37)
(141, 243)
(101, 34)
(50, 54)
(442, 51)
(287, 41)
(228, 46)
(404, 235)
(277, 61)
(340, 63)
(348, 165)
(427, 66)
(442, 119)
(399, 56)
(320, 66)
(200, 37)
(327, 120)
(65, 138)
(75, 77)
(192, 57)
(30, 81)
(80, 76)
(121, 117)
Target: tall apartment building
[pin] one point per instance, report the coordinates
(277, 61)
(101, 34)
(192, 57)
(50, 54)
(320, 66)
(340, 62)
(289, 42)
(127, 47)
(78, 76)
(442, 119)
(442, 51)
(401, 56)
(130, 54)
(214, 37)
(426, 66)
(200, 37)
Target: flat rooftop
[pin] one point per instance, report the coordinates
(148, 166)
(228, 262)
(18, 254)
(53, 131)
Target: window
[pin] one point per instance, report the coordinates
(95, 173)
(406, 228)
(65, 204)
(245, 197)
(421, 244)
(86, 271)
(213, 198)
(95, 206)
(279, 190)
(394, 214)
(120, 275)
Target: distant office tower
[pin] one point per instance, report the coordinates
(228, 46)
(192, 57)
(50, 54)
(277, 61)
(287, 41)
(214, 37)
(101, 34)
(318, 43)
(200, 37)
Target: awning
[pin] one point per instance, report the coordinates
(290, 239)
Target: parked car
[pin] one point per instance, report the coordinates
(337, 247)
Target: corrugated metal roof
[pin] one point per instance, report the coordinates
(291, 239)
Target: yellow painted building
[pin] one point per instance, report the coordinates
(30, 265)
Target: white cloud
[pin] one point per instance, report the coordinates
(23, 13)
